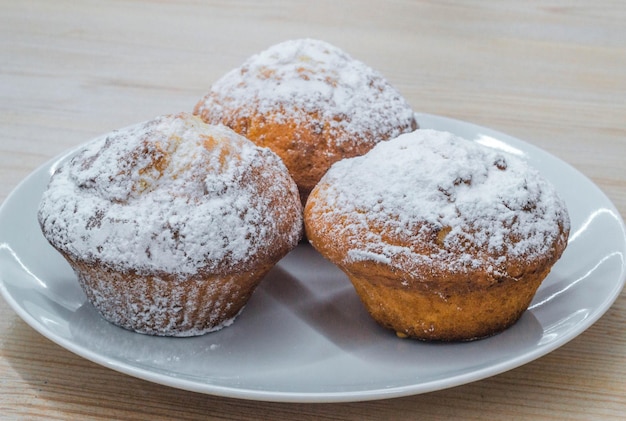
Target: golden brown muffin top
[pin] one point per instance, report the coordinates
(429, 199)
(311, 103)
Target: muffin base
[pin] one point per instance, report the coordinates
(460, 316)
(164, 305)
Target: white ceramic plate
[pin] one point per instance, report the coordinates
(304, 336)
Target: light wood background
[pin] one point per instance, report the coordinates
(550, 72)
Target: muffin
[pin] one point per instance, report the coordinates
(443, 238)
(309, 102)
(170, 224)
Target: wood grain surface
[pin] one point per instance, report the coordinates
(550, 72)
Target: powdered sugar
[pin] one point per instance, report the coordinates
(169, 195)
(432, 198)
(312, 83)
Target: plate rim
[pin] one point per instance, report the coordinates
(312, 397)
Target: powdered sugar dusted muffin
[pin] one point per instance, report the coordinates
(171, 224)
(443, 238)
(309, 102)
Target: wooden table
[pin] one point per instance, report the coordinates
(551, 73)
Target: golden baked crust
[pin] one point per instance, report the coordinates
(459, 308)
(170, 224)
(442, 238)
(310, 103)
